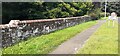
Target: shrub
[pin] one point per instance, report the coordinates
(95, 14)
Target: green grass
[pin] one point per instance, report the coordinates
(46, 43)
(0, 51)
(103, 41)
(103, 18)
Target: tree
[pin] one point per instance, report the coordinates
(113, 7)
(43, 10)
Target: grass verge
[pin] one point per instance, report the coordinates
(103, 41)
(103, 18)
(0, 51)
(46, 43)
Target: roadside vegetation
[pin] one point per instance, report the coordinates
(103, 41)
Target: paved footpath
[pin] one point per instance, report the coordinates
(75, 43)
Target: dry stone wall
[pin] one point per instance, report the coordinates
(16, 30)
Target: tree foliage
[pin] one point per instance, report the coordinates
(112, 7)
(43, 10)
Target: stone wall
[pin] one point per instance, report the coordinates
(17, 30)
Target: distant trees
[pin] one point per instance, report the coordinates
(113, 7)
(43, 10)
